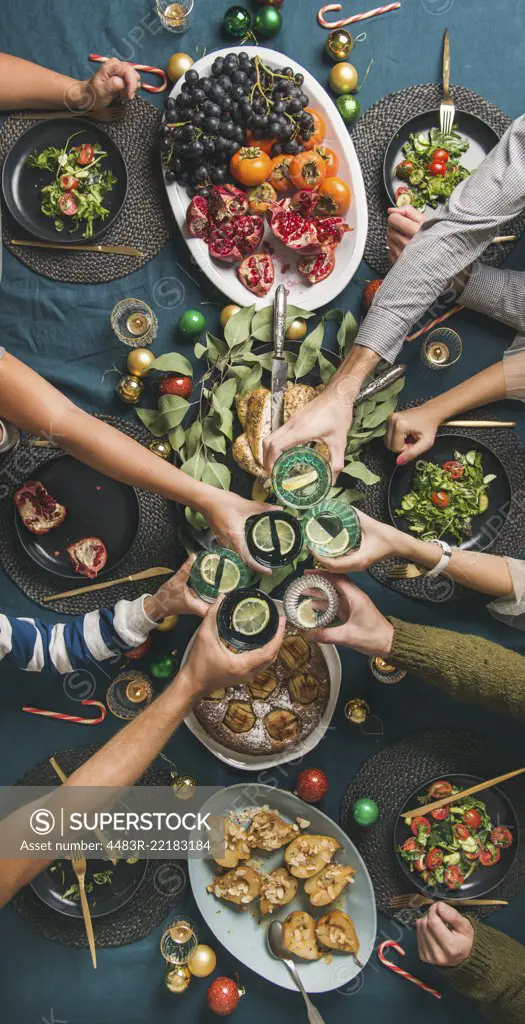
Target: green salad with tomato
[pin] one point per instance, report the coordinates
(448, 844)
(431, 168)
(77, 191)
(445, 499)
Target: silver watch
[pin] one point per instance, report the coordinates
(443, 561)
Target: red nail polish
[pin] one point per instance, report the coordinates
(400, 460)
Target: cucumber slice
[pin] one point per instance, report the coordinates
(483, 503)
(417, 176)
(404, 199)
(489, 478)
(452, 858)
(471, 457)
(408, 501)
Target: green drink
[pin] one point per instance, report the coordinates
(331, 529)
(301, 478)
(218, 571)
(247, 619)
(274, 539)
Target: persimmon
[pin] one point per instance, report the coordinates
(264, 144)
(319, 131)
(250, 165)
(307, 170)
(335, 196)
(280, 174)
(331, 159)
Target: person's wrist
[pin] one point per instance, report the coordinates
(153, 608)
(190, 683)
(385, 639)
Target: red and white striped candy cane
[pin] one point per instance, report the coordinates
(77, 719)
(434, 323)
(140, 67)
(355, 17)
(399, 970)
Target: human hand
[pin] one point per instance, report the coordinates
(175, 597)
(227, 516)
(363, 627)
(327, 418)
(412, 431)
(444, 937)
(213, 666)
(114, 78)
(378, 541)
(403, 224)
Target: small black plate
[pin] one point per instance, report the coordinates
(481, 136)
(482, 880)
(21, 184)
(103, 900)
(96, 507)
(486, 526)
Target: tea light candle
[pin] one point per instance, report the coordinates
(438, 352)
(137, 324)
(137, 692)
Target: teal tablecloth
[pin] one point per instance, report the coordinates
(63, 332)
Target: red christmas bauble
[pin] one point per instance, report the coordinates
(136, 653)
(311, 785)
(223, 996)
(370, 290)
(176, 385)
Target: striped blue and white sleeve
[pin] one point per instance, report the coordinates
(37, 646)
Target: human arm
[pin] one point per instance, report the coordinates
(114, 453)
(25, 84)
(478, 961)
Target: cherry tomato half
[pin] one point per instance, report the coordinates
(472, 818)
(404, 169)
(86, 154)
(437, 168)
(420, 823)
(420, 863)
(454, 877)
(501, 836)
(440, 789)
(442, 155)
(441, 813)
(440, 499)
(434, 858)
(411, 845)
(461, 832)
(68, 182)
(489, 856)
(67, 204)
(454, 469)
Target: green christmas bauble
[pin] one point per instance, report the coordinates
(237, 22)
(192, 322)
(349, 107)
(365, 811)
(164, 667)
(268, 21)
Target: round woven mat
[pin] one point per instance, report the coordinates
(157, 896)
(392, 774)
(371, 137)
(144, 222)
(511, 541)
(156, 543)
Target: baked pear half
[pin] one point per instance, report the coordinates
(324, 887)
(236, 845)
(335, 930)
(268, 831)
(307, 855)
(299, 935)
(277, 890)
(242, 885)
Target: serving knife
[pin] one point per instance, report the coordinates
(382, 381)
(279, 364)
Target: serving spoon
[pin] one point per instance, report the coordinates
(274, 938)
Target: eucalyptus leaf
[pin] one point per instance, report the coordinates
(309, 351)
(225, 393)
(347, 333)
(238, 328)
(333, 314)
(262, 324)
(358, 471)
(199, 349)
(216, 474)
(326, 368)
(172, 410)
(193, 438)
(177, 438)
(217, 348)
(381, 413)
(350, 495)
(195, 518)
(174, 363)
(252, 381)
(391, 390)
(212, 437)
(226, 423)
(269, 583)
(149, 418)
(195, 466)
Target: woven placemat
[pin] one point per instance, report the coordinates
(511, 541)
(157, 542)
(157, 896)
(371, 137)
(391, 775)
(144, 221)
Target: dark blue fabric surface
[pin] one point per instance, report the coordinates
(63, 332)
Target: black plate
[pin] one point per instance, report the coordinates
(482, 880)
(103, 900)
(481, 136)
(97, 507)
(21, 184)
(486, 526)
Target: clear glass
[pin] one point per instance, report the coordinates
(174, 15)
(441, 349)
(274, 539)
(308, 610)
(331, 529)
(238, 639)
(385, 672)
(129, 694)
(301, 478)
(134, 322)
(218, 571)
(179, 940)
(9, 436)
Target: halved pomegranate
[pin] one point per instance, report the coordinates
(257, 273)
(88, 556)
(226, 202)
(295, 231)
(222, 242)
(331, 230)
(38, 510)
(318, 267)
(197, 217)
(249, 231)
(305, 201)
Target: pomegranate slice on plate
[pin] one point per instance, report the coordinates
(331, 230)
(295, 231)
(197, 217)
(226, 202)
(317, 267)
(37, 509)
(257, 273)
(88, 556)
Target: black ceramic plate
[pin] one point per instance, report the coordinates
(482, 880)
(104, 899)
(21, 184)
(96, 507)
(485, 527)
(479, 134)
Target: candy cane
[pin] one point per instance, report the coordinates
(400, 971)
(140, 67)
(434, 323)
(355, 17)
(72, 718)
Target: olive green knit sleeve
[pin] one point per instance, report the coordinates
(493, 975)
(465, 666)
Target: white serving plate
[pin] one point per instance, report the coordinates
(348, 254)
(256, 762)
(239, 930)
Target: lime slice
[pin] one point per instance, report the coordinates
(230, 574)
(306, 614)
(251, 616)
(338, 545)
(296, 483)
(262, 534)
(317, 534)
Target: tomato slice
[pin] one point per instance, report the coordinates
(420, 863)
(439, 789)
(440, 499)
(419, 823)
(441, 813)
(441, 154)
(489, 856)
(472, 818)
(461, 832)
(411, 845)
(501, 837)
(85, 154)
(404, 169)
(68, 182)
(454, 469)
(67, 204)
(454, 877)
(437, 168)
(434, 858)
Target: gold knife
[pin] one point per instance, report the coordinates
(98, 832)
(146, 574)
(115, 250)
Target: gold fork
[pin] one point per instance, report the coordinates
(447, 110)
(79, 867)
(412, 900)
(408, 571)
(107, 114)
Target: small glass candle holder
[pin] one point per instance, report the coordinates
(134, 323)
(247, 619)
(218, 571)
(9, 436)
(174, 14)
(301, 608)
(441, 349)
(385, 672)
(301, 477)
(274, 539)
(179, 940)
(129, 694)
(331, 529)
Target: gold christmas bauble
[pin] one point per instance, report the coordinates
(202, 962)
(167, 623)
(184, 787)
(227, 312)
(339, 44)
(177, 978)
(178, 65)
(343, 78)
(161, 448)
(130, 388)
(357, 710)
(139, 361)
(297, 329)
